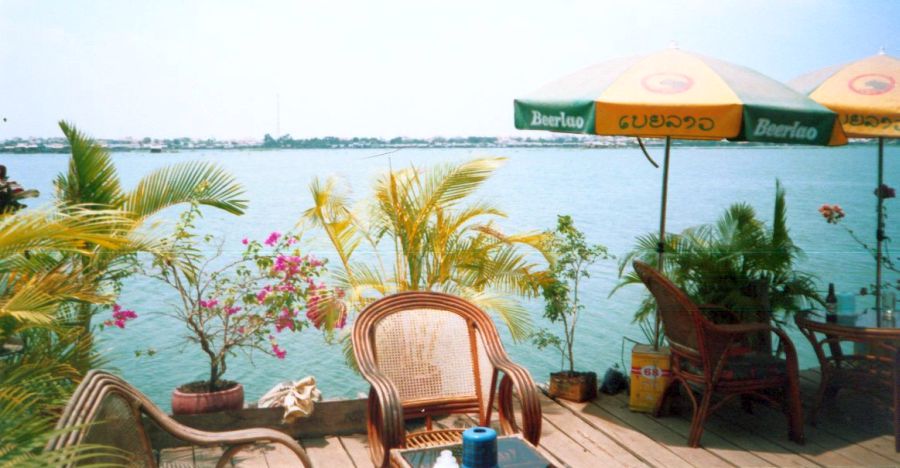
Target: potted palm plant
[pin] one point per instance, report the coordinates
(242, 304)
(563, 305)
(737, 263)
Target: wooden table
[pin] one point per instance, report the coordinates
(872, 367)
(512, 451)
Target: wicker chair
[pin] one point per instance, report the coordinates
(107, 410)
(428, 353)
(714, 358)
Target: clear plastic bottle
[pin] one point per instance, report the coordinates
(446, 460)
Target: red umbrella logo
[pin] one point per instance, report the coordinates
(667, 83)
(871, 84)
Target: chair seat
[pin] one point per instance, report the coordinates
(431, 438)
(749, 366)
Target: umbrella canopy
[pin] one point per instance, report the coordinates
(676, 94)
(680, 95)
(864, 93)
(866, 96)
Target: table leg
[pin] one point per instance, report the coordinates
(897, 401)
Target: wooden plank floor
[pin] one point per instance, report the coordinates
(850, 432)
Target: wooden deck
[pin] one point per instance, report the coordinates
(605, 433)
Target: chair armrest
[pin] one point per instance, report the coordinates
(387, 397)
(516, 377)
(708, 310)
(238, 439)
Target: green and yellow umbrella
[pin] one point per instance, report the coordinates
(679, 95)
(676, 94)
(866, 96)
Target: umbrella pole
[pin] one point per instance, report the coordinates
(661, 247)
(879, 231)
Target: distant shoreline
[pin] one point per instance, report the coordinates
(157, 147)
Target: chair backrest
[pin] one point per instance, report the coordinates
(105, 410)
(680, 317)
(432, 347)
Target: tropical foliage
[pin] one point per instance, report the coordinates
(43, 355)
(93, 181)
(561, 294)
(422, 233)
(720, 263)
(58, 266)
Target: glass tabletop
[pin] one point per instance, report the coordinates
(864, 319)
(512, 452)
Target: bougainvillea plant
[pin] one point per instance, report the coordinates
(834, 214)
(243, 304)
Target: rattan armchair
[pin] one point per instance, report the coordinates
(107, 410)
(715, 359)
(427, 354)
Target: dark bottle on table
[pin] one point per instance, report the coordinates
(831, 305)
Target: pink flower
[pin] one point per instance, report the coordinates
(285, 320)
(291, 240)
(279, 353)
(831, 213)
(273, 238)
(120, 317)
(245, 241)
(231, 310)
(209, 304)
(263, 293)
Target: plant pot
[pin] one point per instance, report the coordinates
(650, 374)
(577, 386)
(207, 402)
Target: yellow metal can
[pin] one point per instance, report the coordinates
(651, 371)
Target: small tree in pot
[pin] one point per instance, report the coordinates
(242, 304)
(573, 258)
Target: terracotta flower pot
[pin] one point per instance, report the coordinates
(208, 402)
(577, 387)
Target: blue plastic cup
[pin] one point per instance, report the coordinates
(479, 448)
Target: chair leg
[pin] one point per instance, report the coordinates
(699, 419)
(747, 404)
(824, 381)
(794, 408)
(897, 401)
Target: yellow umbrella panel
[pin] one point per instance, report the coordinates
(865, 94)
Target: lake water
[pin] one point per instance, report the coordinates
(613, 195)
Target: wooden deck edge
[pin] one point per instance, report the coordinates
(338, 417)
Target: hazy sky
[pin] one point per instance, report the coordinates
(373, 68)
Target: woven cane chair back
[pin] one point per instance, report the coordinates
(432, 354)
(680, 316)
(431, 346)
(118, 424)
(428, 354)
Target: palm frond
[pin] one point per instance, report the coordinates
(91, 177)
(190, 182)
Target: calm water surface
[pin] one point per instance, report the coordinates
(613, 194)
